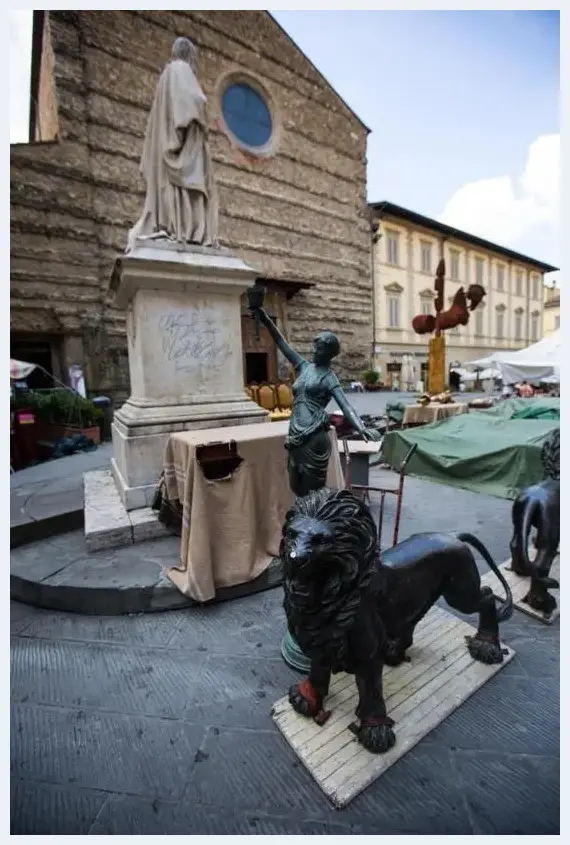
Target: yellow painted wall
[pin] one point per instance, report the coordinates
(551, 322)
(466, 343)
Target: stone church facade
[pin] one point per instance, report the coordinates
(290, 166)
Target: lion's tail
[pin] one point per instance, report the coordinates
(506, 610)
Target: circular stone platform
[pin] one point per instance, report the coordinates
(58, 574)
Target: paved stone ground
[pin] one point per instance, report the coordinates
(160, 724)
(53, 487)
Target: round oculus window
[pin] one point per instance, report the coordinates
(246, 115)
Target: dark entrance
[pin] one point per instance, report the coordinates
(259, 355)
(256, 369)
(39, 352)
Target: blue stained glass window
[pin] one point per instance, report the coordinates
(247, 115)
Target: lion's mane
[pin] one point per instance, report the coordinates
(321, 605)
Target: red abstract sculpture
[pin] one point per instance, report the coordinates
(456, 315)
(423, 323)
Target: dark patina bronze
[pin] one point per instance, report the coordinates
(538, 507)
(353, 610)
(308, 443)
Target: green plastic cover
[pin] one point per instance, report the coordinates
(539, 408)
(496, 452)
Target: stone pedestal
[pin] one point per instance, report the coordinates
(185, 355)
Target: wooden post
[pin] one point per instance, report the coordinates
(436, 371)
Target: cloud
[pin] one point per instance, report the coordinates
(509, 211)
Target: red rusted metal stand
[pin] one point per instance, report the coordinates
(395, 491)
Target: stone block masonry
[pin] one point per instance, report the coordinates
(298, 214)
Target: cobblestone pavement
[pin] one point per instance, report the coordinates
(160, 724)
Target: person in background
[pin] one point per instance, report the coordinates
(526, 390)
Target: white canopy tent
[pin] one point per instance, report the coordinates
(482, 375)
(538, 362)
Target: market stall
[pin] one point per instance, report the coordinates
(23, 422)
(536, 363)
(50, 422)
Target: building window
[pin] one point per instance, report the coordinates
(247, 115)
(500, 277)
(519, 283)
(518, 326)
(479, 322)
(500, 324)
(535, 287)
(425, 306)
(393, 311)
(479, 270)
(454, 265)
(557, 322)
(534, 327)
(392, 248)
(426, 257)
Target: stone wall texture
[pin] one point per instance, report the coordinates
(299, 214)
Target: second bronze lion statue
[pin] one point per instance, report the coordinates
(537, 506)
(353, 610)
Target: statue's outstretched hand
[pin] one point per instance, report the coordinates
(370, 434)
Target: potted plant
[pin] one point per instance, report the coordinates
(63, 413)
(371, 379)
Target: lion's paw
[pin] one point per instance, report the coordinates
(376, 738)
(394, 653)
(485, 651)
(304, 700)
(544, 603)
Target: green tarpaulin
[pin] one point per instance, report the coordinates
(541, 408)
(486, 451)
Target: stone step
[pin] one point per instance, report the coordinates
(108, 525)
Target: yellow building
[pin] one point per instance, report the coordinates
(405, 253)
(551, 318)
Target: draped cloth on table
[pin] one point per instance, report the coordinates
(180, 201)
(231, 528)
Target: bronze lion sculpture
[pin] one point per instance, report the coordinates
(353, 610)
(538, 506)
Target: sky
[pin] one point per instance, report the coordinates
(463, 108)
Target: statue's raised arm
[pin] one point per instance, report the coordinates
(308, 442)
(255, 297)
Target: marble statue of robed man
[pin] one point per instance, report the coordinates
(180, 202)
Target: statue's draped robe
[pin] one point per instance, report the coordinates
(180, 198)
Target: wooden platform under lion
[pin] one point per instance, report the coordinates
(419, 695)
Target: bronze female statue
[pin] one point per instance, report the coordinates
(308, 444)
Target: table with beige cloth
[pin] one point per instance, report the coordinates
(231, 528)
(422, 414)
